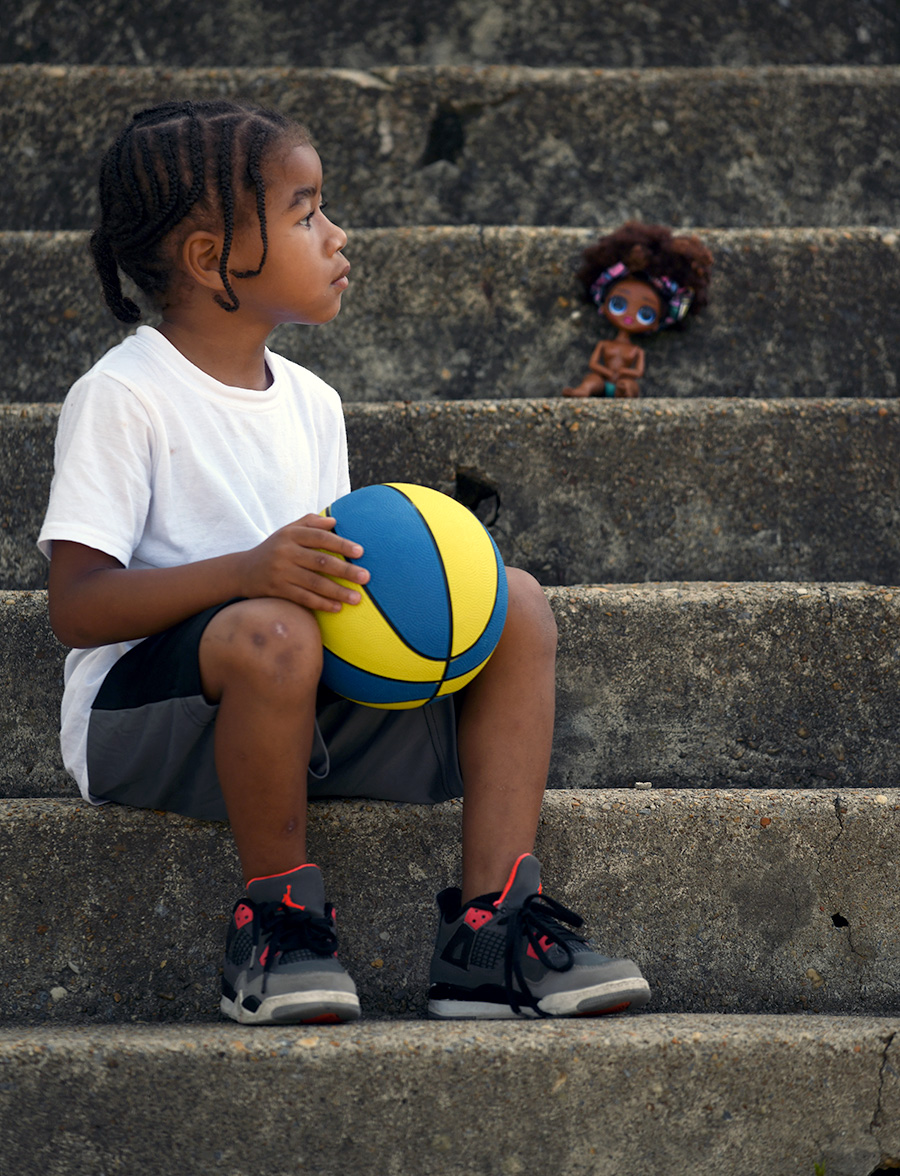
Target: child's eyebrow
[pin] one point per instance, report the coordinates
(302, 195)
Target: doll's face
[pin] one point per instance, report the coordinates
(633, 306)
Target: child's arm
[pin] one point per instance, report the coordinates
(94, 600)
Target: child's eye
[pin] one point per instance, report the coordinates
(646, 316)
(306, 222)
(618, 304)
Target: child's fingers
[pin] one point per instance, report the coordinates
(310, 532)
(322, 564)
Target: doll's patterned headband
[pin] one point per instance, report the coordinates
(676, 299)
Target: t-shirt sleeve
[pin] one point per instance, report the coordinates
(100, 492)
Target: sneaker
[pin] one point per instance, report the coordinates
(509, 955)
(281, 955)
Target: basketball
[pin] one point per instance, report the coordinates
(435, 604)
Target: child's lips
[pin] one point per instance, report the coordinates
(342, 281)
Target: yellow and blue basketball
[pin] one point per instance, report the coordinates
(435, 604)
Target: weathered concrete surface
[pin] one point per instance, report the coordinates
(687, 685)
(786, 145)
(599, 491)
(420, 32)
(463, 312)
(688, 1096)
(762, 685)
(780, 901)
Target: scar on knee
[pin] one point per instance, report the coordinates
(258, 640)
(284, 662)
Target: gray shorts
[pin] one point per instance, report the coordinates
(150, 737)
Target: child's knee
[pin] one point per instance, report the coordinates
(529, 610)
(268, 642)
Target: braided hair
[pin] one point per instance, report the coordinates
(180, 160)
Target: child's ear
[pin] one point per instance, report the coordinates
(201, 253)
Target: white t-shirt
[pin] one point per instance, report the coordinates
(158, 465)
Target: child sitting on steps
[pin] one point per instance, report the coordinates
(187, 555)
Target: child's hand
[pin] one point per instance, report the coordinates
(295, 563)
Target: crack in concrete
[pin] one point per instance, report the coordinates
(838, 812)
(885, 1065)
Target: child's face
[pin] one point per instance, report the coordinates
(633, 306)
(305, 273)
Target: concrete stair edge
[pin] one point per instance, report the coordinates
(525, 33)
(504, 316)
(686, 685)
(729, 900)
(688, 1095)
(598, 491)
(391, 162)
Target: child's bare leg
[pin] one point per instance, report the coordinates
(505, 735)
(261, 660)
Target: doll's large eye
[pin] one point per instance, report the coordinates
(617, 304)
(646, 316)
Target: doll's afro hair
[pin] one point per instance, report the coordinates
(654, 251)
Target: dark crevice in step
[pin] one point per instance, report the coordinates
(476, 492)
(446, 138)
(840, 921)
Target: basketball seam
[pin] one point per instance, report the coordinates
(444, 678)
(447, 596)
(440, 676)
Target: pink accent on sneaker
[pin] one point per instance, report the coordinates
(511, 879)
(287, 901)
(264, 955)
(242, 916)
(283, 874)
(545, 943)
(476, 918)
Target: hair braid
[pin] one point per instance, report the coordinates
(178, 160)
(226, 195)
(123, 308)
(260, 138)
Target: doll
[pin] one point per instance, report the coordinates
(642, 280)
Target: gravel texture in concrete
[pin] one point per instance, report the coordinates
(780, 145)
(689, 685)
(730, 901)
(419, 32)
(688, 1096)
(598, 491)
(466, 312)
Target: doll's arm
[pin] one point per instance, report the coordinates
(596, 366)
(637, 371)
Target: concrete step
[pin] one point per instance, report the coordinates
(496, 312)
(684, 1095)
(686, 685)
(804, 145)
(598, 491)
(738, 901)
(571, 32)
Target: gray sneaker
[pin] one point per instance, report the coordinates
(510, 955)
(281, 961)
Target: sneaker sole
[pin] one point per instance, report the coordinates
(612, 997)
(295, 1008)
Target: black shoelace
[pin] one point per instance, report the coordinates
(293, 930)
(538, 916)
